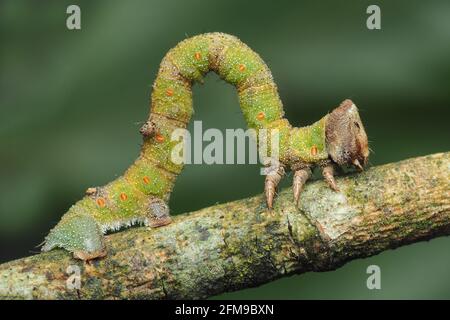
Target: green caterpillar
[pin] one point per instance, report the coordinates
(141, 194)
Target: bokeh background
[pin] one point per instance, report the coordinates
(71, 103)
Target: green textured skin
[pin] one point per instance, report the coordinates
(77, 232)
(125, 201)
(303, 139)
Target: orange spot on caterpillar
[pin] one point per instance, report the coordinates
(260, 116)
(101, 202)
(313, 150)
(159, 137)
(123, 196)
(169, 92)
(146, 180)
(197, 56)
(241, 67)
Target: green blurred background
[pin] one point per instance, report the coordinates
(71, 103)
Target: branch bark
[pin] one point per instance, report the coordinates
(240, 244)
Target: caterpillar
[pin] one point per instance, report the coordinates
(141, 194)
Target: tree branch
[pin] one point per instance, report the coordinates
(240, 244)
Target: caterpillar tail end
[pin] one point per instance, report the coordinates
(79, 234)
(158, 213)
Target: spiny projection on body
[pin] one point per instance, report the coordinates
(141, 194)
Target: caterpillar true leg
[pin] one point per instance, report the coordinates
(328, 175)
(300, 178)
(357, 164)
(271, 183)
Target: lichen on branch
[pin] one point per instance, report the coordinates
(241, 244)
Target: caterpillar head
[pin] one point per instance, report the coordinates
(346, 138)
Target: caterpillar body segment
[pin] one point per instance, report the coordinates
(233, 61)
(141, 194)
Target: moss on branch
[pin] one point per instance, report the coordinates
(240, 244)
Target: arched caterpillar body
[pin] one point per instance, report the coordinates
(141, 193)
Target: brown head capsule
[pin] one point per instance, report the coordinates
(346, 139)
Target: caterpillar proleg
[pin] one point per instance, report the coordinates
(141, 194)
